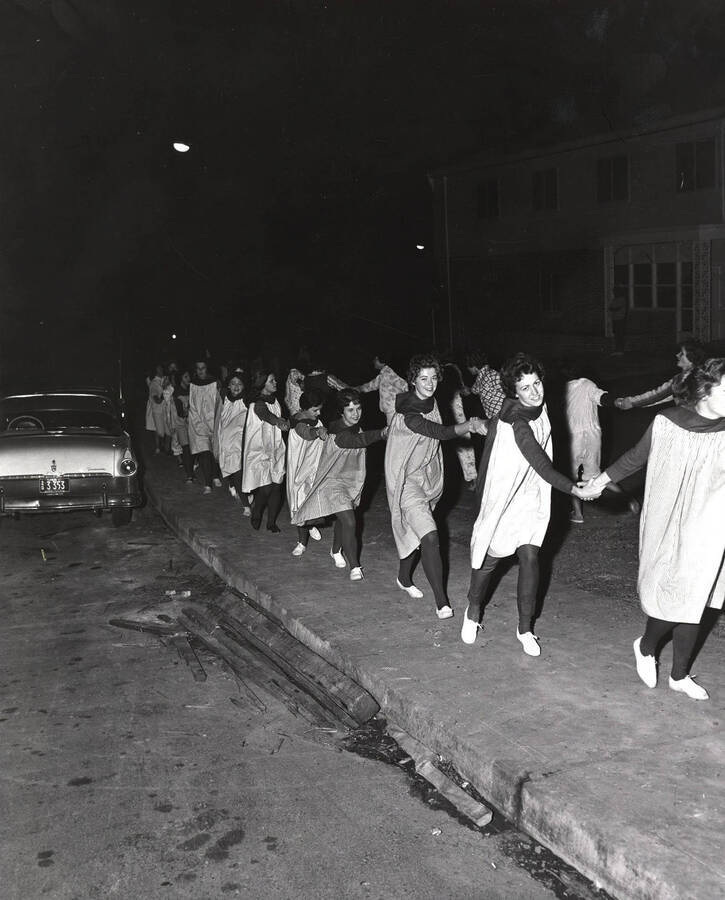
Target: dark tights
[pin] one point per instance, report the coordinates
(344, 538)
(684, 637)
(206, 465)
(303, 531)
(187, 461)
(268, 497)
(235, 481)
(526, 589)
(430, 552)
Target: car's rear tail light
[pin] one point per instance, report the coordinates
(128, 466)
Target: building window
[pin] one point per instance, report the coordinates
(488, 199)
(612, 179)
(687, 294)
(642, 286)
(545, 189)
(665, 285)
(695, 165)
(549, 299)
(657, 276)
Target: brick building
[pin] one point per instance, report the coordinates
(531, 247)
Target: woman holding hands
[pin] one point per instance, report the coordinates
(682, 533)
(514, 484)
(414, 477)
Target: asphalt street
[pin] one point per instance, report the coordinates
(123, 776)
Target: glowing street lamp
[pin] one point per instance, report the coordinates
(181, 147)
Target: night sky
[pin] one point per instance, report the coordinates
(296, 212)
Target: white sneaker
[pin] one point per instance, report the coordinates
(469, 629)
(207, 490)
(299, 550)
(247, 512)
(356, 574)
(315, 534)
(646, 665)
(216, 482)
(687, 686)
(529, 642)
(339, 559)
(411, 590)
(445, 612)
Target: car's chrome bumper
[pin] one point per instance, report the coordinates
(89, 492)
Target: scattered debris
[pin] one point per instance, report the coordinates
(234, 623)
(187, 654)
(425, 766)
(157, 628)
(183, 595)
(436, 831)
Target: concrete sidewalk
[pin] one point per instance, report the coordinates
(623, 782)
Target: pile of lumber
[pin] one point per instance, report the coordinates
(231, 626)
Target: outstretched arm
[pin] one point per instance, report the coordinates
(630, 462)
(660, 394)
(535, 456)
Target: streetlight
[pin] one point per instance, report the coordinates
(180, 147)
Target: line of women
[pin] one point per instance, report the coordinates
(682, 539)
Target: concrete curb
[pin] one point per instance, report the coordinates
(558, 809)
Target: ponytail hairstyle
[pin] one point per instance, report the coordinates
(698, 382)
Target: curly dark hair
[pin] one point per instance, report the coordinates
(345, 397)
(699, 381)
(696, 352)
(311, 397)
(423, 361)
(515, 367)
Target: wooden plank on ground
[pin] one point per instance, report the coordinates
(477, 812)
(158, 628)
(248, 667)
(336, 691)
(186, 652)
(424, 757)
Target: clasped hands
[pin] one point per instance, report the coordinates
(588, 490)
(477, 426)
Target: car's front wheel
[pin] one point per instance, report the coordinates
(120, 516)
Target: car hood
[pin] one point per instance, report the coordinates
(60, 454)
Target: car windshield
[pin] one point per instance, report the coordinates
(78, 414)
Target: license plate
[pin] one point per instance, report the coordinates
(54, 485)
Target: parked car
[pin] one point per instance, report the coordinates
(66, 450)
